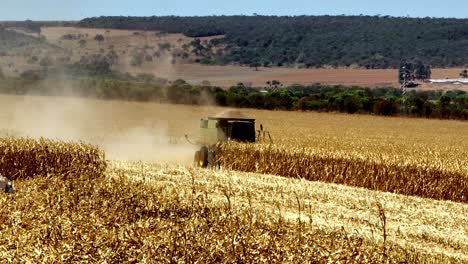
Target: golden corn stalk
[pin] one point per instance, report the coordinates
(22, 158)
(120, 218)
(383, 175)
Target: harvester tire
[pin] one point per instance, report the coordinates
(211, 158)
(196, 158)
(203, 157)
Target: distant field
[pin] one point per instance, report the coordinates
(226, 76)
(167, 64)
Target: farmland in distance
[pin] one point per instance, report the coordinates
(167, 61)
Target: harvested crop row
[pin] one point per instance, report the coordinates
(424, 181)
(118, 218)
(22, 158)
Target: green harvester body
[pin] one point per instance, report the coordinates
(226, 127)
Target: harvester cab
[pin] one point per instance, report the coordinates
(226, 127)
(216, 129)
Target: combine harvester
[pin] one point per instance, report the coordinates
(228, 126)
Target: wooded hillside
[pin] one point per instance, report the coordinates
(313, 41)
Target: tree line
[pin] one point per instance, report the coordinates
(312, 41)
(147, 88)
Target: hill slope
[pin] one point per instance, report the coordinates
(13, 40)
(313, 41)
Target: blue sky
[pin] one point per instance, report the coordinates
(77, 9)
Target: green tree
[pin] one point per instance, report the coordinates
(91, 65)
(2, 75)
(256, 100)
(422, 72)
(255, 65)
(384, 107)
(443, 105)
(276, 83)
(464, 74)
(99, 38)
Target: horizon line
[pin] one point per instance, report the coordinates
(237, 15)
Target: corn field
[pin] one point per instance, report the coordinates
(175, 216)
(375, 174)
(92, 210)
(22, 158)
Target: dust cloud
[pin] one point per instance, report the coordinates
(122, 138)
(146, 145)
(56, 118)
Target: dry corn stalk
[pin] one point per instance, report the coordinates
(22, 158)
(384, 175)
(116, 218)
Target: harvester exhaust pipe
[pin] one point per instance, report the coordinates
(262, 135)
